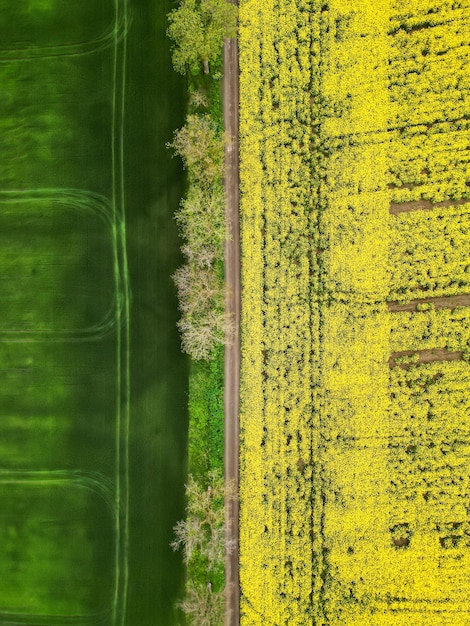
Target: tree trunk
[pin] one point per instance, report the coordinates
(206, 66)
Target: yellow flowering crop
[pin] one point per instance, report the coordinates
(277, 227)
(429, 329)
(352, 485)
(429, 253)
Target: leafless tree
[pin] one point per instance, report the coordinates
(203, 606)
(200, 335)
(204, 528)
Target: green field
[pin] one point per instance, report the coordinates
(93, 422)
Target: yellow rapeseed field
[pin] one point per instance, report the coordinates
(431, 328)
(355, 200)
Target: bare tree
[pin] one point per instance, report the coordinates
(203, 256)
(199, 290)
(203, 606)
(199, 99)
(204, 528)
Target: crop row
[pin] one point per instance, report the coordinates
(431, 162)
(352, 226)
(430, 100)
(396, 511)
(412, 15)
(278, 222)
(429, 57)
(427, 444)
(309, 228)
(354, 320)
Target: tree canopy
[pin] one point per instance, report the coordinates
(198, 28)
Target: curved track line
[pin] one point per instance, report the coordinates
(94, 481)
(75, 198)
(80, 201)
(116, 32)
(17, 619)
(98, 484)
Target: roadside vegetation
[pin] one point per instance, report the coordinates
(197, 28)
(355, 192)
(200, 281)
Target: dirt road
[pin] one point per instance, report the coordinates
(230, 92)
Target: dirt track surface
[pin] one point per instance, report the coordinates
(230, 94)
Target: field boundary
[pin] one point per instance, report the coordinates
(230, 98)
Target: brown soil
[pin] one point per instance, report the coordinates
(443, 302)
(230, 91)
(422, 205)
(424, 356)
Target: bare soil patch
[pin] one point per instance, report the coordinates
(424, 356)
(423, 205)
(442, 302)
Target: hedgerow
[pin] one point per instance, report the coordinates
(200, 285)
(200, 281)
